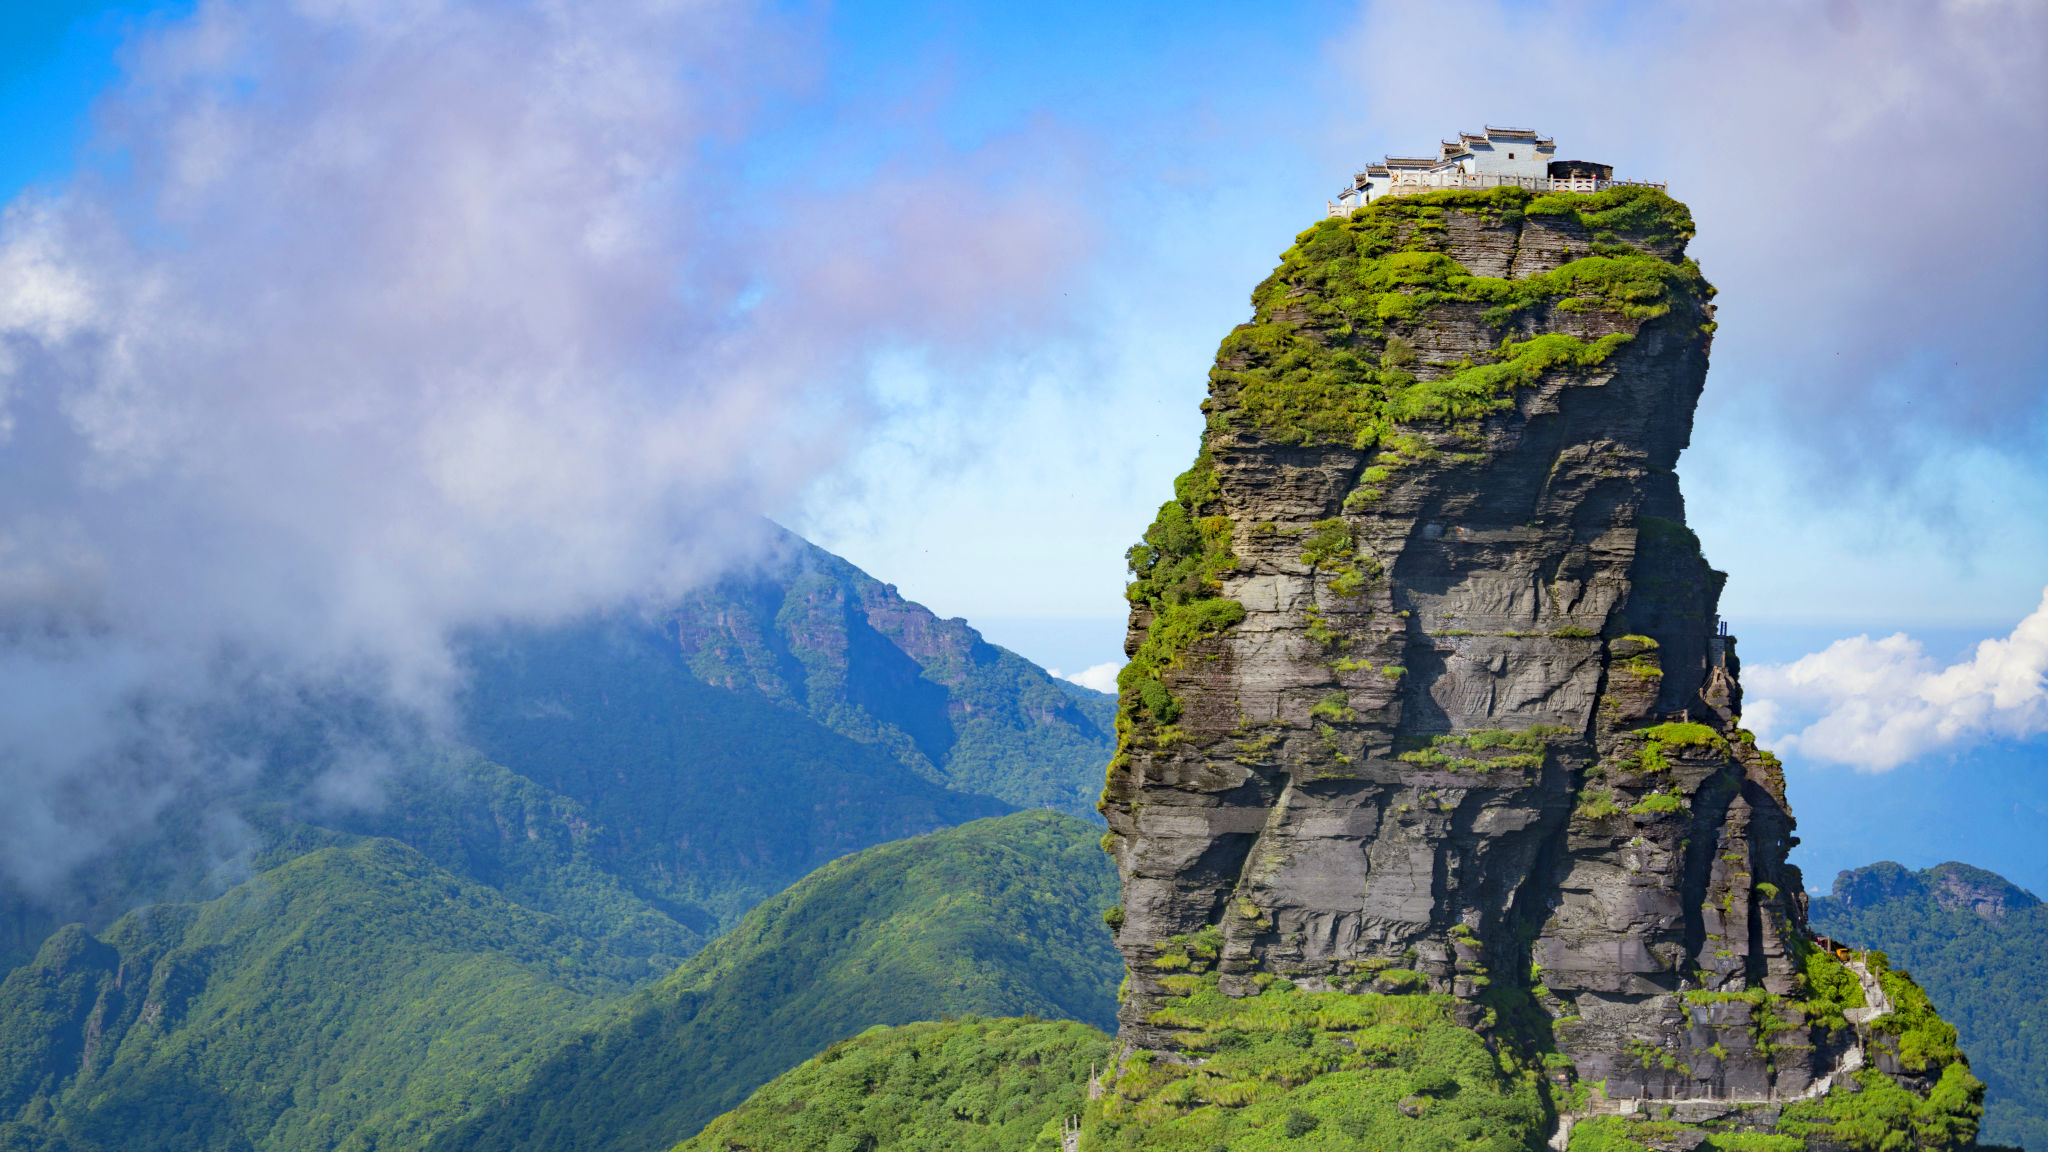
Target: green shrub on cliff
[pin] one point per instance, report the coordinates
(1642, 1134)
(1924, 1040)
(1486, 749)
(1176, 574)
(1385, 1064)
(1646, 214)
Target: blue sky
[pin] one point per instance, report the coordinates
(1038, 220)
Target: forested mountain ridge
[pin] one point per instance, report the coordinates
(1979, 944)
(353, 998)
(808, 629)
(999, 916)
(359, 997)
(633, 747)
(612, 810)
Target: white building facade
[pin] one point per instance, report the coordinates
(1478, 160)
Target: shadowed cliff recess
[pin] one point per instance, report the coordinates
(1429, 746)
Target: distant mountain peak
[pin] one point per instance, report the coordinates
(810, 631)
(1951, 886)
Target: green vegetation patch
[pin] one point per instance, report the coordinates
(1640, 1134)
(1331, 547)
(1290, 1069)
(1685, 736)
(1828, 990)
(969, 1085)
(1879, 1115)
(1872, 1112)
(1487, 750)
(1925, 1041)
(1657, 803)
(1831, 987)
(1649, 216)
(1177, 573)
(1659, 740)
(1287, 1069)
(1323, 360)
(1598, 804)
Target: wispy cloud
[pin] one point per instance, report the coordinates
(1100, 677)
(1853, 166)
(377, 319)
(1876, 704)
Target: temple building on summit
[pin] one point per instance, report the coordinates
(1479, 160)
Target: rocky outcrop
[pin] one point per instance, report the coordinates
(1428, 688)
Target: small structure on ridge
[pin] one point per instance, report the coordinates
(1477, 160)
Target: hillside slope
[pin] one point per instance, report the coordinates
(652, 754)
(811, 638)
(995, 917)
(641, 808)
(969, 1085)
(709, 799)
(360, 997)
(355, 998)
(1979, 944)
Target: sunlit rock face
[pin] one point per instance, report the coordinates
(1428, 688)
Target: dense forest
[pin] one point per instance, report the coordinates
(1979, 944)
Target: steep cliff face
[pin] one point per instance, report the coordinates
(1427, 689)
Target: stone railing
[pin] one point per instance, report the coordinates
(1411, 183)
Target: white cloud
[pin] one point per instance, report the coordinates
(1101, 677)
(1875, 704)
(391, 318)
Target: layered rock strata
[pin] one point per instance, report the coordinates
(1428, 689)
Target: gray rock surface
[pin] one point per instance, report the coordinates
(1510, 760)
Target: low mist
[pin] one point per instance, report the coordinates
(366, 322)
